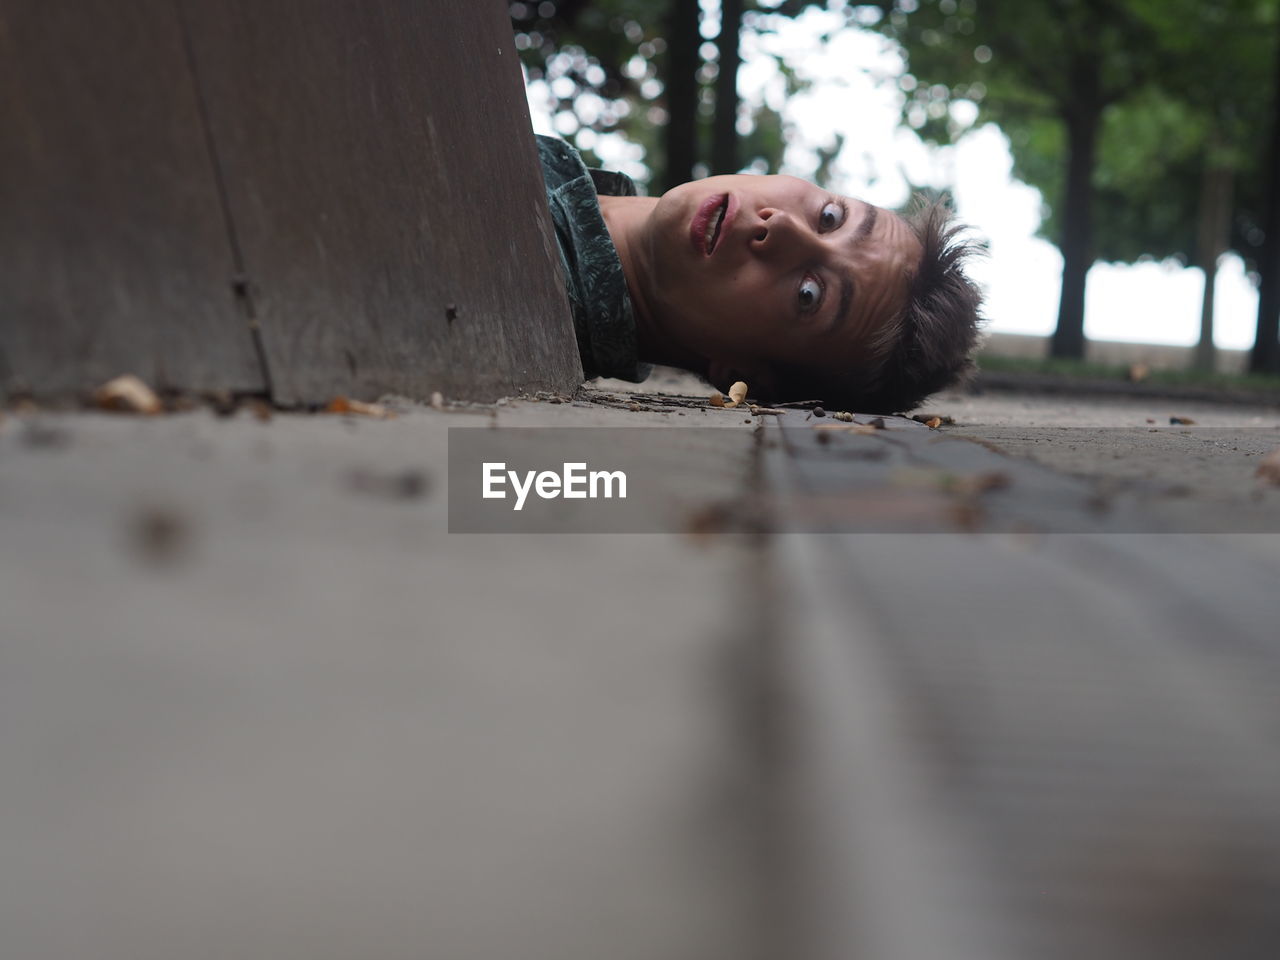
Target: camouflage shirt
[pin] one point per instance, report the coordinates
(597, 288)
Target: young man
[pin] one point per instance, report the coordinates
(801, 293)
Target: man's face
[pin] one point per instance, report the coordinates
(749, 269)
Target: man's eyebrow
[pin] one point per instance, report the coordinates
(846, 284)
(867, 225)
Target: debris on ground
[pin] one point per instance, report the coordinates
(877, 423)
(844, 415)
(223, 402)
(127, 394)
(717, 400)
(973, 484)
(1269, 467)
(819, 412)
(863, 428)
(737, 393)
(1181, 421)
(41, 436)
(160, 536)
(437, 400)
(932, 420)
(401, 485)
(347, 405)
(1138, 372)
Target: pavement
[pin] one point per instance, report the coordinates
(995, 689)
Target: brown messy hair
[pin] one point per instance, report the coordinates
(920, 350)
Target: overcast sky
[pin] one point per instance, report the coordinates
(855, 92)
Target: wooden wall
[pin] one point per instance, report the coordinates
(310, 198)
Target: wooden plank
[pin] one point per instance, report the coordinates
(1021, 746)
(385, 189)
(113, 247)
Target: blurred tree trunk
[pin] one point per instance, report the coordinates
(1265, 357)
(724, 129)
(681, 133)
(1077, 225)
(1213, 238)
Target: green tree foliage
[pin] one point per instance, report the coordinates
(602, 61)
(1119, 111)
(1046, 72)
(638, 67)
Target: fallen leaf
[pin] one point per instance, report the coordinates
(127, 394)
(1184, 421)
(1269, 467)
(717, 400)
(737, 393)
(932, 420)
(347, 405)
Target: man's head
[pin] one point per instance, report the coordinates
(809, 295)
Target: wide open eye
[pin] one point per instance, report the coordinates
(810, 294)
(832, 216)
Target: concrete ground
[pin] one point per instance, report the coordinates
(256, 700)
(1134, 447)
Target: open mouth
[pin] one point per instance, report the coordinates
(717, 221)
(709, 221)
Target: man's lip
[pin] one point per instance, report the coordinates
(731, 207)
(702, 221)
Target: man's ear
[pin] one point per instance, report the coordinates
(757, 375)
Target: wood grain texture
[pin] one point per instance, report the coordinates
(113, 247)
(385, 190)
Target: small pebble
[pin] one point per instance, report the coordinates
(819, 412)
(878, 423)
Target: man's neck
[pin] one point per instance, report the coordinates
(627, 221)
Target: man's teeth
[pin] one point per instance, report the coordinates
(713, 229)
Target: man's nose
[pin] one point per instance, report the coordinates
(778, 232)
